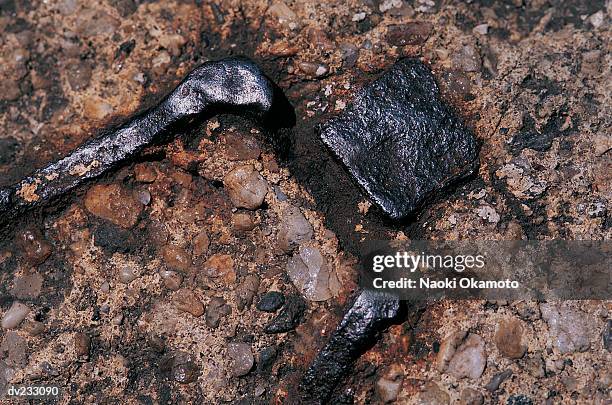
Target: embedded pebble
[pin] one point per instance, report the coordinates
(358, 17)
(260, 389)
(569, 328)
(241, 147)
(181, 366)
(289, 317)
(14, 350)
(15, 315)
(488, 213)
(497, 379)
(176, 258)
(433, 395)
(82, 344)
(389, 385)
(481, 29)
(27, 286)
(271, 301)
(467, 59)
(284, 14)
(105, 287)
(470, 396)
(145, 173)
(216, 309)
(220, 266)
(143, 197)
(158, 233)
(34, 247)
(113, 203)
(320, 39)
(462, 355)
(117, 320)
(246, 291)
(415, 33)
(187, 301)
(127, 275)
(79, 74)
(294, 229)
(508, 338)
(201, 243)
(242, 358)
(34, 328)
(242, 222)
(311, 275)
(388, 390)
(313, 69)
(171, 279)
(350, 54)
(246, 187)
(387, 5)
(607, 336)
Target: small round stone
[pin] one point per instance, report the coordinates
(15, 315)
(35, 248)
(242, 358)
(171, 279)
(127, 275)
(242, 222)
(176, 258)
(508, 338)
(294, 229)
(144, 197)
(216, 309)
(246, 187)
(201, 243)
(82, 344)
(187, 301)
(117, 319)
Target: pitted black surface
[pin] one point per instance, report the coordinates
(362, 321)
(234, 85)
(400, 141)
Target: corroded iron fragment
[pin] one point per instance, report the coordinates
(358, 328)
(233, 85)
(400, 141)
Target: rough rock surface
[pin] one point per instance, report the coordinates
(311, 275)
(539, 104)
(294, 230)
(570, 329)
(113, 203)
(399, 141)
